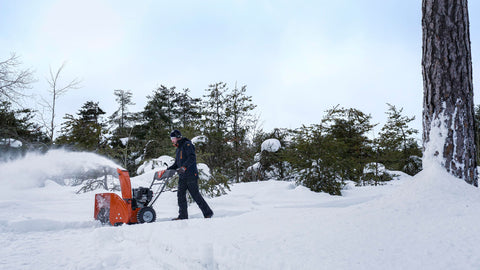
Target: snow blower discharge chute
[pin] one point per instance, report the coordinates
(135, 205)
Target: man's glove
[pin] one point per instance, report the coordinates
(158, 175)
(181, 170)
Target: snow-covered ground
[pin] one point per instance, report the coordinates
(429, 221)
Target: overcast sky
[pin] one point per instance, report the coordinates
(297, 58)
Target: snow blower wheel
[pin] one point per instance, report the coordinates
(146, 214)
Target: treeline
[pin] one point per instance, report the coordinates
(321, 157)
(340, 147)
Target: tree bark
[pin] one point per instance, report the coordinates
(448, 109)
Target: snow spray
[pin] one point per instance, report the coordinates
(56, 165)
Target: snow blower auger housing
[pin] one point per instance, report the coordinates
(135, 206)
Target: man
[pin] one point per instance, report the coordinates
(186, 166)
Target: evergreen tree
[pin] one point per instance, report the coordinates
(272, 164)
(121, 117)
(215, 152)
(314, 156)
(160, 116)
(238, 112)
(122, 143)
(162, 108)
(17, 126)
(347, 130)
(86, 131)
(396, 142)
(189, 112)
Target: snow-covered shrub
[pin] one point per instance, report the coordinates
(375, 174)
(198, 140)
(11, 143)
(271, 162)
(375, 168)
(319, 178)
(156, 164)
(257, 157)
(254, 172)
(11, 149)
(212, 184)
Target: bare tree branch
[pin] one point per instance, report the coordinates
(12, 80)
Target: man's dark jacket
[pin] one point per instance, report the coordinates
(185, 157)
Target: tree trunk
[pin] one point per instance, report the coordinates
(448, 110)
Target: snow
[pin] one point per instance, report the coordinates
(433, 153)
(199, 139)
(36, 168)
(255, 167)
(124, 141)
(11, 143)
(257, 157)
(271, 145)
(156, 164)
(428, 221)
(204, 171)
(374, 168)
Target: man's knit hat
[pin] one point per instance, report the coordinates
(176, 134)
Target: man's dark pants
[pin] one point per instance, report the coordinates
(191, 184)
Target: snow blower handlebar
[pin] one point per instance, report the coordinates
(162, 176)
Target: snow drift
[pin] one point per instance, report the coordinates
(424, 222)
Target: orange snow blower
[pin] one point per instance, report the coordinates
(135, 205)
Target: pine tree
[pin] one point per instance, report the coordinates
(396, 142)
(272, 164)
(238, 113)
(18, 126)
(215, 152)
(86, 131)
(315, 160)
(189, 112)
(162, 108)
(122, 143)
(121, 117)
(347, 129)
(160, 116)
